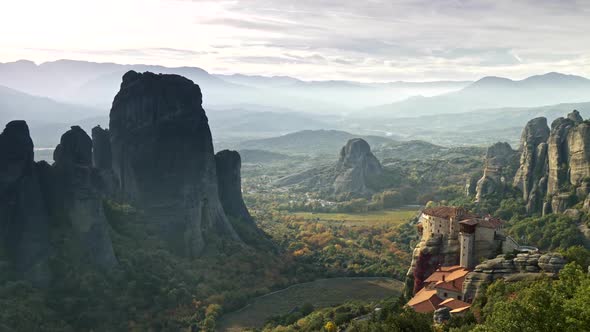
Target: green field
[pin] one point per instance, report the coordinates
(389, 217)
(320, 293)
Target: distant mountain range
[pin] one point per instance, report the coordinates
(18, 105)
(493, 92)
(243, 109)
(95, 84)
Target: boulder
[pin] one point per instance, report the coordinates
(442, 315)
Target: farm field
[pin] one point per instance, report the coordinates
(385, 217)
(320, 293)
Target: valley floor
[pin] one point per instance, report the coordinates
(373, 218)
(320, 293)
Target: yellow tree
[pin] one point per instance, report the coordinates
(330, 327)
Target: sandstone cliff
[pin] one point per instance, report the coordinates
(229, 180)
(356, 166)
(76, 193)
(24, 221)
(158, 156)
(163, 157)
(523, 266)
(554, 169)
(499, 163)
(351, 175)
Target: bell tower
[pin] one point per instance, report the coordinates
(466, 242)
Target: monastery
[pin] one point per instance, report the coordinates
(453, 241)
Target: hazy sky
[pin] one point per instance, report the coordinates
(309, 39)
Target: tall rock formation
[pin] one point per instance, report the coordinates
(554, 170)
(102, 161)
(499, 161)
(531, 176)
(356, 166)
(24, 221)
(229, 180)
(163, 157)
(75, 186)
(101, 148)
(352, 175)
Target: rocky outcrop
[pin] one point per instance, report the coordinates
(103, 163)
(557, 154)
(228, 164)
(523, 266)
(579, 154)
(428, 255)
(75, 186)
(229, 181)
(353, 175)
(101, 148)
(554, 169)
(499, 162)
(24, 221)
(441, 315)
(530, 177)
(163, 157)
(356, 166)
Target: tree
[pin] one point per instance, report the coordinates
(330, 327)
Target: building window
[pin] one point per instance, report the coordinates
(445, 294)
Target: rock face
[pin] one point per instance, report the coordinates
(158, 156)
(499, 160)
(76, 183)
(349, 177)
(356, 165)
(229, 180)
(523, 266)
(554, 169)
(530, 177)
(101, 148)
(163, 157)
(103, 162)
(24, 222)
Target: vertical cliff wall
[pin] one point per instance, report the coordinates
(163, 157)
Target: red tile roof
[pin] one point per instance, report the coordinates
(447, 273)
(460, 310)
(425, 300)
(453, 303)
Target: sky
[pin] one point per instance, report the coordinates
(413, 40)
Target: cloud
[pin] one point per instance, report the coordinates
(323, 39)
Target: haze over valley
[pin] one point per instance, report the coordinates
(294, 166)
